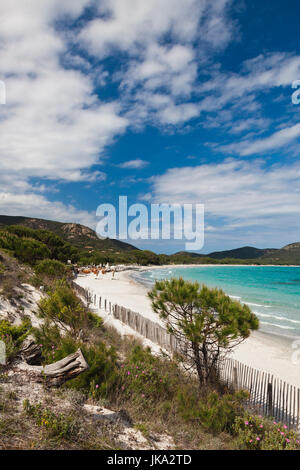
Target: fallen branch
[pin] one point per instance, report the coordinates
(65, 369)
(59, 372)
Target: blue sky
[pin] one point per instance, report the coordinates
(185, 101)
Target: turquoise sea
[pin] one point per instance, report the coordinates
(272, 292)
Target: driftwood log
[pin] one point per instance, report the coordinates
(57, 373)
(65, 369)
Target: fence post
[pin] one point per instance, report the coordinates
(270, 398)
(235, 378)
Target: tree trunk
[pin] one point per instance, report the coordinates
(198, 363)
(65, 369)
(57, 373)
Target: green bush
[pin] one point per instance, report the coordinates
(257, 433)
(7, 240)
(13, 336)
(30, 251)
(95, 320)
(215, 412)
(54, 346)
(63, 308)
(51, 268)
(142, 378)
(18, 239)
(102, 375)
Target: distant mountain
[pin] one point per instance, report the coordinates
(289, 254)
(78, 235)
(245, 252)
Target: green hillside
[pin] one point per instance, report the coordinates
(245, 252)
(78, 235)
(289, 254)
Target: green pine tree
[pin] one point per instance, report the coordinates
(206, 322)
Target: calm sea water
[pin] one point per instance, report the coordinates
(272, 292)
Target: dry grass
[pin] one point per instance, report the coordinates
(20, 431)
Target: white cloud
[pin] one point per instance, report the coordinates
(172, 68)
(259, 74)
(250, 123)
(18, 197)
(136, 164)
(156, 68)
(31, 204)
(277, 140)
(241, 195)
(129, 25)
(53, 126)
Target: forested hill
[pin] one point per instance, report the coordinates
(78, 235)
(288, 255)
(245, 252)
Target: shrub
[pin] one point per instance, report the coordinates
(95, 320)
(57, 248)
(215, 412)
(142, 377)
(30, 251)
(64, 309)
(54, 346)
(13, 336)
(102, 374)
(257, 433)
(7, 240)
(51, 268)
(36, 281)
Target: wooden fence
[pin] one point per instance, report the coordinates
(268, 395)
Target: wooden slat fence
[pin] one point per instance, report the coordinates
(268, 395)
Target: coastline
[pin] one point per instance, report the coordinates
(264, 351)
(198, 265)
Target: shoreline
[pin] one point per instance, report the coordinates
(268, 352)
(165, 266)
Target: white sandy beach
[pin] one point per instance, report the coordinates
(272, 354)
